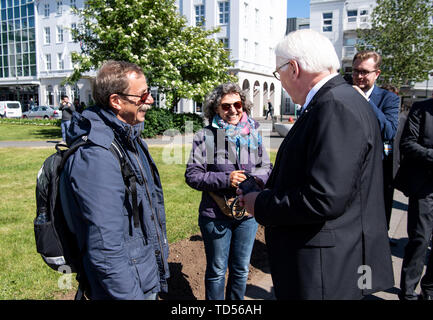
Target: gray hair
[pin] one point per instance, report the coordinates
(213, 99)
(112, 78)
(313, 51)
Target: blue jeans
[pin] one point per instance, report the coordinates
(65, 125)
(228, 243)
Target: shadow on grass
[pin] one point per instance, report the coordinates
(47, 133)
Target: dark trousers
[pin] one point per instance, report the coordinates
(419, 229)
(388, 188)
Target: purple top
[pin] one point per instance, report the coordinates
(213, 157)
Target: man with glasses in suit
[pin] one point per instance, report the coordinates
(386, 105)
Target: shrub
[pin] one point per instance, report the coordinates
(158, 120)
(37, 122)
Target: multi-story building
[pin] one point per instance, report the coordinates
(339, 20)
(55, 20)
(36, 46)
(249, 29)
(296, 23)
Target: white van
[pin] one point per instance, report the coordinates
(10, 109)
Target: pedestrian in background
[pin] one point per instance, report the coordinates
(222, 154)
(67, 109)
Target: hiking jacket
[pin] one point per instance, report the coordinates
(213, 157)
(120, 261)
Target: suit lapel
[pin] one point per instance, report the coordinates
(375, 96)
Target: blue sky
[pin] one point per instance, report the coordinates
(298, 8)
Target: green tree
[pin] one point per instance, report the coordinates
(182, 61)
(402, 32)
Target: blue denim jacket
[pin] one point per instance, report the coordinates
(120, 261)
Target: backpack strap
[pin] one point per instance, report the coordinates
(71, 150)
(128, 177)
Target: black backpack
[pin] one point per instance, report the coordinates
(55, 242)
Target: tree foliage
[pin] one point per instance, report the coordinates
(182, 61)
(402, 32)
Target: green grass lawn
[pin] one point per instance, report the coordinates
(15, 132)
(23, 274)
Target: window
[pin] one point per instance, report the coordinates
(256, 50)
(199, 15)
(46, 10)
(59, 7)
(245, 13)
(61, 61)
(48, 61)
(245, 48)
(59, 34)
(47, 35)
(352, 15)
(271, 24)
(224, 12)
(73, 27)
(363, 15)
(74, 4)
(327, 22)
(225, 42)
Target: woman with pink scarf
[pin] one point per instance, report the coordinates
(223, 154)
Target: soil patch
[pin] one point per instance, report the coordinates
(187, 262)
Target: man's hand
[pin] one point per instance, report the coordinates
(360, 91)
(237, 177)
(247, 201)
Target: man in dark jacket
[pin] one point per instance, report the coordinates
(67, 109)
(416, 147)
(323, 203)
(121, 260)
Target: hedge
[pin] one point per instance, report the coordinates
(34, 122)
(163, 121)
(158, 121)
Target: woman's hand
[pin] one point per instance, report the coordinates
(237, 177)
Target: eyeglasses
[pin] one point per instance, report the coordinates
(362, 73)
(143, 97)
(276, 74)
(227, 106)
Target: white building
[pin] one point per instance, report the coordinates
(55, 20)
(36, 46)
(250, 29)
(339, 19)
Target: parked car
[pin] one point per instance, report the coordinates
(10, 109)
(43, 112)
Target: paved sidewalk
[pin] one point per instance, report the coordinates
(263, 288)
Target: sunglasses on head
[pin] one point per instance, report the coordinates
(227, 106)
(143, 97)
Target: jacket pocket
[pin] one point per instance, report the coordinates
(142, 259)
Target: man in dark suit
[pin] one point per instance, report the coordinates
(323, 203)
(416, 147)
(385, 104)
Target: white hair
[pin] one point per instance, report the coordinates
(313, 51)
